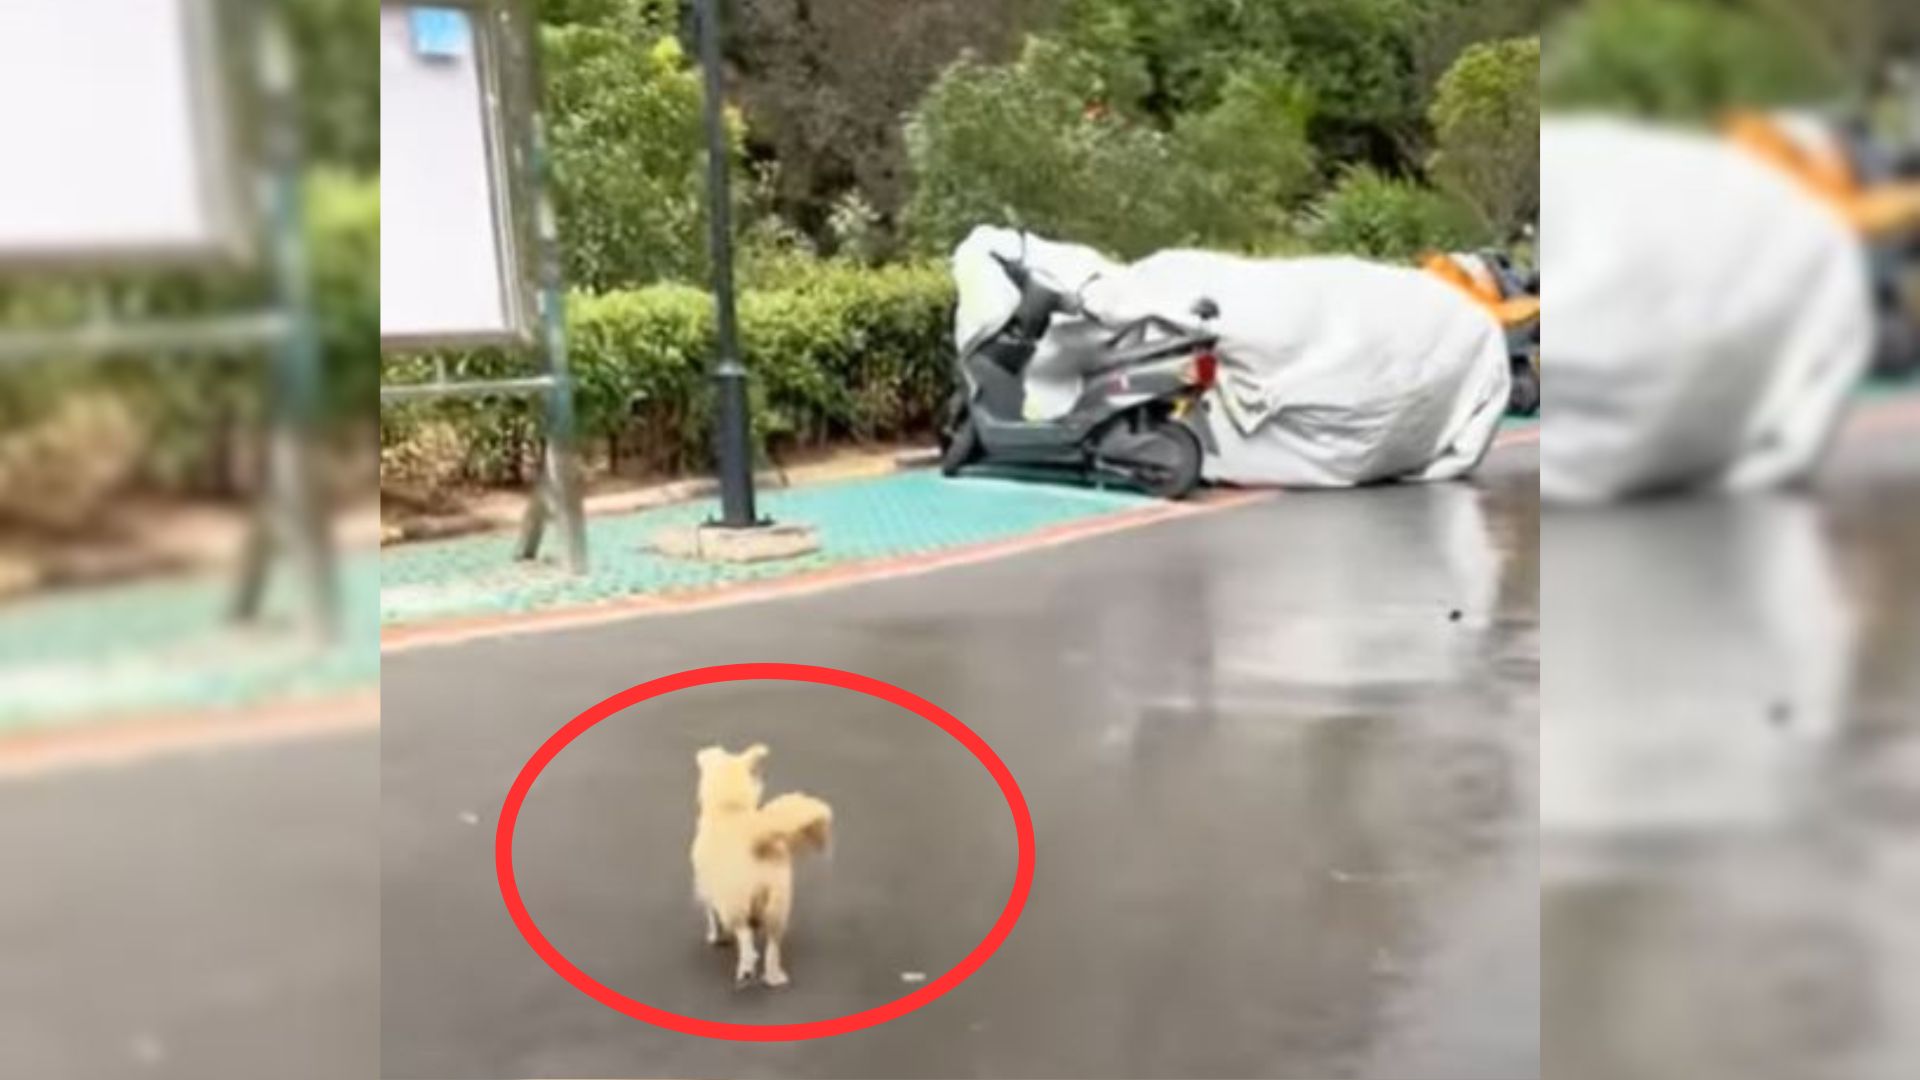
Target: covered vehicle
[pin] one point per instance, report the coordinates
(1332, 371)
(1710, 317)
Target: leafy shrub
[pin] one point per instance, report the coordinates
(1377, 216)
(193, 412)
(840, 352)
(59, 471)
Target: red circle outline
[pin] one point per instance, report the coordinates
(715, 1029)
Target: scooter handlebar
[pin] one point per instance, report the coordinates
(1016, 271)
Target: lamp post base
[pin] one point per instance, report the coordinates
(711, 542)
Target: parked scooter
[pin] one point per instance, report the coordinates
(1893, 249)
(1138, 418)
(1875, 185)
(1513, 298)
(1519, 313)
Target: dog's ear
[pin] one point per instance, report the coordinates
(756, 756)
(710, 756)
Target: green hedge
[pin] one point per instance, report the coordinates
(838, 352)
(197, 411)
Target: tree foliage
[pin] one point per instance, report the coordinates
(1031, 144)
(823, 84)
(1131, 124)
(1486, 123)
(1372, 214)
(339, 88)
(1369, 65)
(628, 155)
(1052, 143)
(1685, 59)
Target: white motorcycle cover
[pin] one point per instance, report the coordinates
(1333, 371)
(1709, 316)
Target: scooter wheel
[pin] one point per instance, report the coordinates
(1170, 468)
(1897, 352)
(962, 446)
(1524, 399)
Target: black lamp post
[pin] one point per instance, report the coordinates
(731, 437)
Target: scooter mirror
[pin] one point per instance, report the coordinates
(1205, 309)
(1015, 272)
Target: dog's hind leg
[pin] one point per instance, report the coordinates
(774, 921)
(713, 925)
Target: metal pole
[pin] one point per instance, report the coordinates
(562, 472)
(295, 520)
(731, 437)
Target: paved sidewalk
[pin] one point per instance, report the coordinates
(167, 647)
(901, 514)
(904, 514)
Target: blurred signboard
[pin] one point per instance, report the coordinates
(114, 139)
(449, 264)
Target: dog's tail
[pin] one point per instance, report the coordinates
(792, 824)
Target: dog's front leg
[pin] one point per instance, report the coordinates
(743, 967)
(776, 974)
(713, 926)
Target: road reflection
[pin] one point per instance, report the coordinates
(1719, 900)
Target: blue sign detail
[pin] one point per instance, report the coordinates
(440, 33)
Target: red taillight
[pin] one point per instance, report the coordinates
(1206, 368)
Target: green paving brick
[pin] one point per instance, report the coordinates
(908, 513)
(167, 646)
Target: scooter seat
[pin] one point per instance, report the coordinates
(1140, 354)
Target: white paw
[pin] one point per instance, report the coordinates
(776, 978)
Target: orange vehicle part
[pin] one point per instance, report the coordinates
(1515, 312)
(1828, 176)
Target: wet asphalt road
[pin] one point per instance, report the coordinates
(1281, 762)
(1731, 782)
(1742, 911)
(202, 916)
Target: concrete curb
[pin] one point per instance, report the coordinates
(498, 518)
(713, 543)
(433, 633)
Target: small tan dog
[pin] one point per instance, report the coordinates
(743, 855)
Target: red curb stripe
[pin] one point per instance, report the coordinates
(456, 631)
(118, 739)
(1876, 417)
